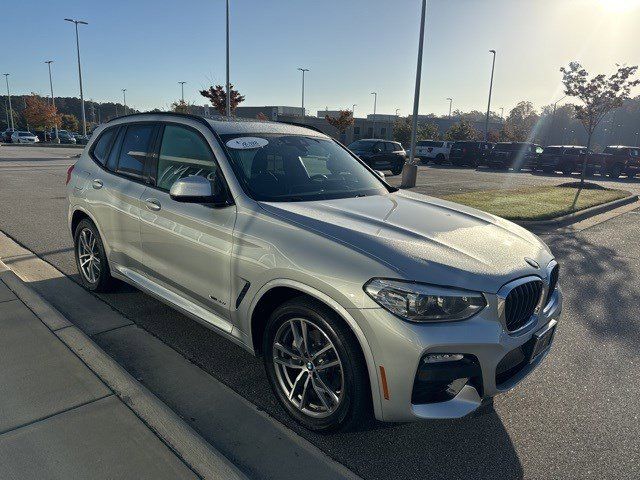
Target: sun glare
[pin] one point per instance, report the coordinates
(619, 6)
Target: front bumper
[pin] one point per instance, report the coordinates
(399, 346)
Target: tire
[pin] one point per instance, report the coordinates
(440, 159)
(86, 238)
(397, 170)
(615, 171)
(548, 170)
(349, 379)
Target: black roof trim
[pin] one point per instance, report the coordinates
(302, 125)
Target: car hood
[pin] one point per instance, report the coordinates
(423, 238)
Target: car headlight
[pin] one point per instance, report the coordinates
(419, 302)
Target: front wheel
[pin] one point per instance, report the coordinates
(91, 259)
(397, 170)
(615, 171)
(315, 366)
(439, 160)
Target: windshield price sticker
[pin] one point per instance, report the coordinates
(247, 143)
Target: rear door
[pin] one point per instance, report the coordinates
(187, 246)
(115, 191)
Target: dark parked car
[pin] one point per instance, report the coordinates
(469, 153)
(6, 135)
(66, 137)
(516, 155)
(380, 154)
(564, 158)
(620, 160)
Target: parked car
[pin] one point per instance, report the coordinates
(66, 137)
(22, 136)
(564, 158)
(80, 139)
(435, 150)
(359, 296)
(469, 153)
(515, 155)
(380, 154)
(620, 160)
(6, 135)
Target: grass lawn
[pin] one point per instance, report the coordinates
(536, 203)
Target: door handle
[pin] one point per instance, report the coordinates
(97, 184)
(152, 204)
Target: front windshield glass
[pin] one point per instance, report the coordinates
(285, 168)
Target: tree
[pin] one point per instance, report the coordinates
(462, 131)
(69, 122)
(428, 131)
(218, 98)
(599, 95)
(39, 113)
(402, 131)
(520, 124)
(343, 121)
(261, 116)
(180, 106)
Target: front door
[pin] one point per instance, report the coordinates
(187, 246)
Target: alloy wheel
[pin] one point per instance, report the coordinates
(308, 368)
(89, 255)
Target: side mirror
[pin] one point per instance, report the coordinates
(380, 174)
(196, 189)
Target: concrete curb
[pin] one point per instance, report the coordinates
(185, 442)
(43, 144)
(570, 218)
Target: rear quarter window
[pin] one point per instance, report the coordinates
(101, 147)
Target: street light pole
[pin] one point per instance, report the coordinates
(303, 70)
(502, 113)
(486, 122)
(397, 110)
(637, 144)
(124, 99)
(410, 171)
(228, 107)
(182, 88)
(553, 118)
(6, 77)
(53, 101)
(375, 101)
(84, 118)
(450, 103)
(353, 110)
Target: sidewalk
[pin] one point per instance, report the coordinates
(59, 419)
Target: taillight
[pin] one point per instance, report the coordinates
(69, 171)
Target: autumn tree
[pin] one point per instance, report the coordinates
(343, 121)
(521, 121)
(261, 116)
(218, 98)
(180, 106)
(599, 95)
(69, 122)
(428, 131)
(39, 113)
(402, 131)
(462, 131)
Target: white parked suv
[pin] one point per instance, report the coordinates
(435, 150)
(23, 137)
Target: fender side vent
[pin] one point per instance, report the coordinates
(243, 292)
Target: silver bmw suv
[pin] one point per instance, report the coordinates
(362, 299)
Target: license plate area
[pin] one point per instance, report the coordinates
(543, 339)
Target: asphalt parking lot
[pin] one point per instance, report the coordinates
(575, 417)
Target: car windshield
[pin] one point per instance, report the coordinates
(429, 143)
(285, 168)
(25, 134)
(363, 144)
(464, 144)
(553, 150)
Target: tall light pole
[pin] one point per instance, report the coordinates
(450, 103)
(53, 101)
(124, 99)
(637, 144)
(6, 77)
(353, 110)
(397, 110)
(375, 102)
(182, 88)
(619, 134)
(410, 170)
(303, 70)
(486, 121)
(228, 107)
(553, 118)
(84, 118)
(502, 113)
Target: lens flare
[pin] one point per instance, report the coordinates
(619, 6)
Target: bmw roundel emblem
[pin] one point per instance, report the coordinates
(531, 262)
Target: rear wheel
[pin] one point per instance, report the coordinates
(397, 170)
(567, 168)
(91, 259)
(439, 160)
(615, 170)
(315, 366)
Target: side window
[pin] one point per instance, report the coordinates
(183, 153)
(101, 147)
(390, 147)
(112, 161)
(135, 148)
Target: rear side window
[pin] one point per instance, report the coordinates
(390, 147)
(135, 149)
(101, 147)
(112, 161)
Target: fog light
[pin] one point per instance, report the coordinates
(442, 357)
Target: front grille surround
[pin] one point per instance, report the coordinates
(520, 303)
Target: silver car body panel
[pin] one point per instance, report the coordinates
(199, 259)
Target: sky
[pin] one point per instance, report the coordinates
(352, 48)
